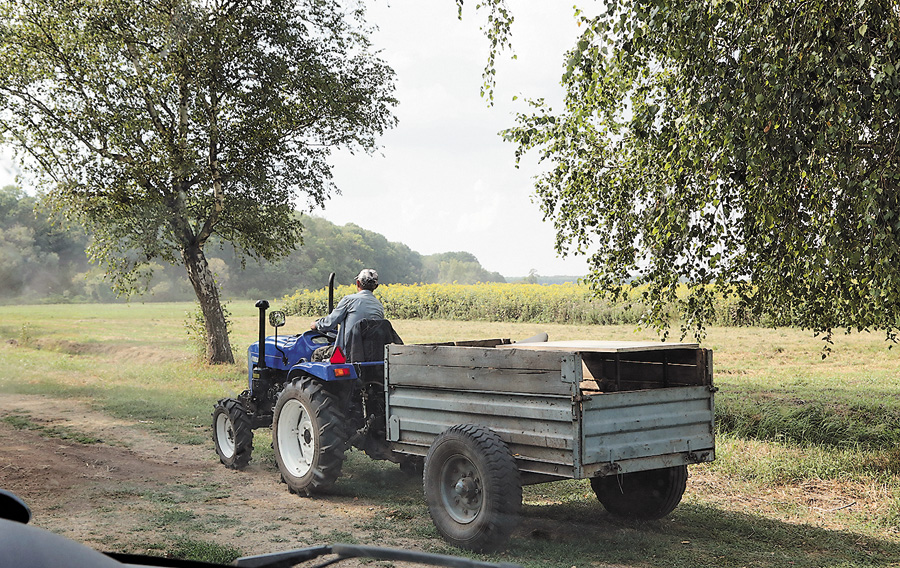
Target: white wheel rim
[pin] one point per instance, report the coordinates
(296, 438)
(225, 435)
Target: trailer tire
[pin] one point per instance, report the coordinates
(642, 495)
(309, 437)
(232, 433)
(472, 487)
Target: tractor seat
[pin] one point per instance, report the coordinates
(365, 341)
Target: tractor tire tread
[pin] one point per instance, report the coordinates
(242, 431)
(333, 435)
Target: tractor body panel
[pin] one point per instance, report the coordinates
(284, 352)
(325, 371)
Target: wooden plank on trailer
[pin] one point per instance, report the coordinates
(600, 346)
(494, 357)
(472, 343)
(526, 381)
(635, 375)
(673, 356)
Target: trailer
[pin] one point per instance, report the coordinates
(628, 416)
(479, 419)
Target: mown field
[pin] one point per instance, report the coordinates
(808, 468)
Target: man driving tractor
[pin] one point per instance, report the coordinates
(350, 310)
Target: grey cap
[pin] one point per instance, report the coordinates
(367, 278)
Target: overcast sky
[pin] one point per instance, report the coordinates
(444, 180)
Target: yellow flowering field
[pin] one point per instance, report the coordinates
(557, 303)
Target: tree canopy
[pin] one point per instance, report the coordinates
(45, 261)
(344, 250)
(162, 123)
(735, 147)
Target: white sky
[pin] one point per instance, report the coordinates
(444, 180)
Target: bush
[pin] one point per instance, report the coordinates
(557, 303)
(195, 327)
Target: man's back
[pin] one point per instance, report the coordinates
(349, 311)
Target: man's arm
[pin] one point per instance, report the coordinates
(335, 318)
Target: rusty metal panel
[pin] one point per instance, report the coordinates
(643, 464)
(641, 424)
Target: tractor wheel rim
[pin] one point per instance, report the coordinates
(296, 438)
(225, 435)
(461, 489)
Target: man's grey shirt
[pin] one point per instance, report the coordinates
(351, 309)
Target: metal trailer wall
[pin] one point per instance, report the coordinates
(647, 429)
(533, 401)
(524, 396)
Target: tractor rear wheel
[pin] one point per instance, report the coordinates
(642, 495)
(309, 436)
(232, 433)
(472, 487)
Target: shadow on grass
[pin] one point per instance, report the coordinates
(575, 534)
(365, 478)
(579, 532)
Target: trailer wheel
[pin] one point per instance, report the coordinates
(232, 433)
(642, 495)
(308, 436)
(473, 488)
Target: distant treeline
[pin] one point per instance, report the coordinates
(43, 260)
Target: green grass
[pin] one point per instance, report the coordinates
(201, 551)
(794, 427)
(24, 422)
(789, 462)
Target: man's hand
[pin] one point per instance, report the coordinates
(314, 326)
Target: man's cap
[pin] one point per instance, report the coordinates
(367, 276)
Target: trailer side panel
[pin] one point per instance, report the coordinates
(562, 414)
(525, 397)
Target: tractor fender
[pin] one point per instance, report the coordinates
(324, 371)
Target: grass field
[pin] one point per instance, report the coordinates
(807, 470)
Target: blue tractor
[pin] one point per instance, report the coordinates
(317, 409)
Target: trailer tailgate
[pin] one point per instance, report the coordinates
(648, 429)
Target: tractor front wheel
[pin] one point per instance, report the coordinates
(309, 436)
(232, 433)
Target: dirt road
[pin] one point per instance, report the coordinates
(133, 491)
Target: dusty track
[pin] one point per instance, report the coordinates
(133, 487)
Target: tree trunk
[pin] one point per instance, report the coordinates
(218, 347)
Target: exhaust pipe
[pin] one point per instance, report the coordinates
(263, 305)
(331, 292)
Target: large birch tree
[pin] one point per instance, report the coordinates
(161, 123)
